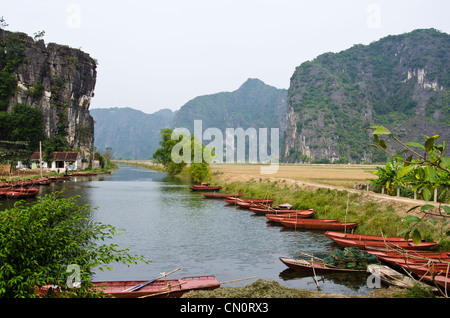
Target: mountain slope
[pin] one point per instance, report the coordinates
(130, 133)
(400, 81)
(254, 104)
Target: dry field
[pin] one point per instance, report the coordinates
(342, 176)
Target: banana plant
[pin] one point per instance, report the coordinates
(424, 167)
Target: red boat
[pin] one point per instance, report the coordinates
(314, 266)
(204, 188)
(164, 288)
(411, 254)
(300, 214)
(441, 281)
(235, 201)
(274, 210)
(381, 244)
(20, 193)
(3, 191)
(318, 224)
(362, 237)
(220, 195)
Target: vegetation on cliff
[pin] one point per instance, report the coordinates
(401, 82)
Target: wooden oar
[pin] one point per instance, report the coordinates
(149, 282)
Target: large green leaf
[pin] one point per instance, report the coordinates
(411, 219)
(430, 174)
(380, 130)
(416, 236)
(404, 171)
(414, 144)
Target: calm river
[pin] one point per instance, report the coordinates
(174, 227)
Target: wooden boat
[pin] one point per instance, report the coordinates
(277, 218)
(20, 193)
(82, 174)
(420, 267)
(282, 213)
(391, 276)
(220, 195)
(318, 224)
(363, 237)
(260, 202)
(160, 288)
(195, 187)
(314, 266)
(3, 191)
(363, 245)
(440, 281)
(409, 254)
(59, 178)
(273, 210)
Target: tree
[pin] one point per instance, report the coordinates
(40, 241)
(425, 167)
(184, 149)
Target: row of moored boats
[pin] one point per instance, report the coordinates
(398, 261)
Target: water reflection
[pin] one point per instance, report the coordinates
(174, 227)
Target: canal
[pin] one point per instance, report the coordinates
(174, 227)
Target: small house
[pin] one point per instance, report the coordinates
(61, 160)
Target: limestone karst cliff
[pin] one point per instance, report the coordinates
(57, 80)
(400, 81)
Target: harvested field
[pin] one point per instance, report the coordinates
(311, 177)
(335, 175)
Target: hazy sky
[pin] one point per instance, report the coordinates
(161, 54)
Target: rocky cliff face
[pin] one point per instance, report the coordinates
(401, 82)
(60, 82)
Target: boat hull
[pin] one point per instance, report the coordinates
(204, 188)
(172, 288)
(318, 224)
(363, 245)
(313, 266)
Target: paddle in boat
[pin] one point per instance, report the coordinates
(301, 214)
(318, 224)
(362, 237)
(283, 213)
(160, 287)
(220, 195)
(260, 202)
(384, 244)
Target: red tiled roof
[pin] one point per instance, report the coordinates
(59, 156)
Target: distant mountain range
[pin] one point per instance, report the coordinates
(401, 81)
(130, 133)
(133, 134)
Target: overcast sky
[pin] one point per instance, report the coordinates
(161, 54)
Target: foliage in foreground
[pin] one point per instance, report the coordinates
(41, 241)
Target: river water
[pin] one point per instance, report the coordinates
(174, 227)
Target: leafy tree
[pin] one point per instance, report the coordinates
(38, 241)
(425, 167)
(198, 170)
